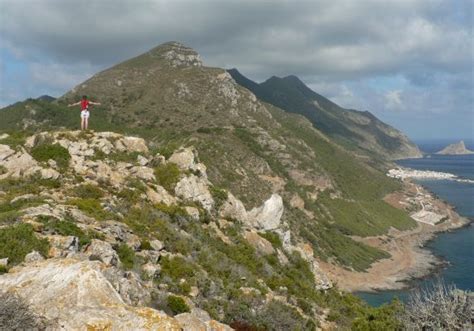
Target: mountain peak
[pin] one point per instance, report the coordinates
(177, 54)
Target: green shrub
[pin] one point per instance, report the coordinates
(3, 170)
(273, 238)
(92, 208)
(56, 152)
(167, 175)
(219, 195)
(177, 305)
(88, 191)
(14, 139)
(126, 255)
(176, 268)
(9, 217)
(380, 318)
(66, 228)
(18, 240)
(145, 245)
(34, 185)
(173, 211)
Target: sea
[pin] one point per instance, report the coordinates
(456, 248)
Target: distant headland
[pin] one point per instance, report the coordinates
(455, 149)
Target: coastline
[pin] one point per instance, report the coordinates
(409, 258)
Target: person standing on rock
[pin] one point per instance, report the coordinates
(84, 110)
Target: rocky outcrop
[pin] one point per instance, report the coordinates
(233, 208)
(262, 245)
(267, 216)
(102, 251)
(75, 295)
(179, 55)
(195, 189)
(455, 149)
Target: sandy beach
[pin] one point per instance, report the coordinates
(408, 259)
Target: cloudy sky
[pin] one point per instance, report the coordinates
(410, 62)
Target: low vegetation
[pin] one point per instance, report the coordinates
(92, 208)
(67, 228)
(438, 307)
(126, 255)
(18, 240)
(16, 315)
(167, 175)
(44, 152)
(88, 191)
(177, 305)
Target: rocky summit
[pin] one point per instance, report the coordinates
(193, 201)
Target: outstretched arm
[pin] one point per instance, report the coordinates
(74, 104)
(94, 103)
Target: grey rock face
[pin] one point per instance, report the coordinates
(268, 216)
(102, 251)
(195, 189)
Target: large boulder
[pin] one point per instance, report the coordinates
(75, 295)
(5, 152)
(261, 245)
(18, 163)
(233, 208)
(195, 189)
(102, 251)
(267, 216)
(183, 158)
(118, 232)
(159, 195)
(134, 144)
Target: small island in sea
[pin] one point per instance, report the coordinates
(455, 149)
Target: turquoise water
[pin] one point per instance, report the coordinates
(456, 247)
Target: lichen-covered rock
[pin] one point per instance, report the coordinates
(5, 152)
(117, 233)
(129, 286)
(102, 251)
(267, 216)
(159, 195)
(18, 163)
(33, 256)
(233, 208)
(75, 295)
(183, 158)
(134, 144)
(261, 245)
(193, 212)
(144, 173)
(157, 245)
(195, 189)
(151, 270)
(61, 246)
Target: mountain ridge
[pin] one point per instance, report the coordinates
(352, 128)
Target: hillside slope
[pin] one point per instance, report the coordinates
(253, 149)
(120, 237)
(353, 129)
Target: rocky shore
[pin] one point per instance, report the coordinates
(409, 259)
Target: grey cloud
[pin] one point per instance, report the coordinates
(332, 45)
